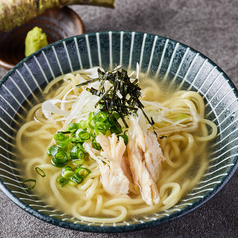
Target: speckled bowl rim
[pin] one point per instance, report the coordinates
(123, 228)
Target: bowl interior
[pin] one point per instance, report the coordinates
(57, 23)
(170, 62)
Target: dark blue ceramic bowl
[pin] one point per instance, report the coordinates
(158, 57)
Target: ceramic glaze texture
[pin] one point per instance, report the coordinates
(165, 60)
(57, 24)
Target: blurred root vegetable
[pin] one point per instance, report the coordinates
(14, 13)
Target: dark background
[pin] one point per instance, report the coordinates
(210, 27)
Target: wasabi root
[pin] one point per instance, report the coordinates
(14, 13)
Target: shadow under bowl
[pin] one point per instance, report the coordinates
(57, 23)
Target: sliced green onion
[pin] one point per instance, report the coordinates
(82, 172)
(83, 124)
(91, 123)
(76, 140)
(76, 179)
(73, 126)
(116, 115)
(52, 150)
(91, 115)
(60, 159)
(115, 129)
(78, 162)
(101, 116)
(81, 147)
(80, 154)
(107, 124)
(113, 117)
(125, 138)
(62, 140)
(77, 153)
(40, 171)
(62, 181)
(99, 127)
(64, 144)
(96, 145)
(30, 181)
(93, 133)
(67, 172)
(84, 135)
(60, 136)
(73, 152)
(72, 183)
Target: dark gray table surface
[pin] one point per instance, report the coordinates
(209, 26)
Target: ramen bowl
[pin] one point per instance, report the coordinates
(160, 58)
(56, 23)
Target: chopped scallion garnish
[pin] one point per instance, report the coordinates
(30, 181)
(60, 136)
(72, 176)
(76, 179)
(77, 152)
(62, 181)
(40, 171)
(82, 172)
(84, 135)
(73, 126)
(101, 116)
(67, 172)
(96, 145)
(115, 129)
(125, 138)
(60, 159)
(78, 162)
(52, 150)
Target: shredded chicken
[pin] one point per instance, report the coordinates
(114, 150)
(144, 156)
(153, 155)
(113, 178)
(133, 168)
